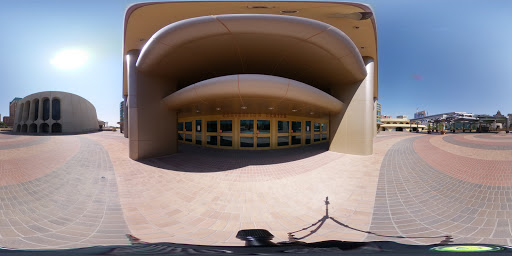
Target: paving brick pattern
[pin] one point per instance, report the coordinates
(247, 166)
(495, 136)
(22, 164)
(497, 144)
(12, 142)
(204, 195)
(414, 199)
(74, 205)
(386, 135)
(53, 194)
(480, 171)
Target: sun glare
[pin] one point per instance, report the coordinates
(70, 59)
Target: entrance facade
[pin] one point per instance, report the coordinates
(252, 131)
(189, 64)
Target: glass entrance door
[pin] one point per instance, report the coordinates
(226, 133)
(283, 133)
(211, 133)
(247, 134)
(263, 134)
(255, 134)
(219, 133)
(252, 132)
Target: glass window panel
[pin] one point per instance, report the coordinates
(283, 141)
(263, 142)
(324, 136)
(263, 126)
(226, 126)
(180, 126)
(317, 127)
(308, 139)
(211, 140)
(296, 126)
(211, 126)
(188, 137)
(283, 126)
(246, 126)
(246, 142)
(324, 127)
(226, 141)
(296, 140)
(317, 137)
(198, 126)
(199, 140)
(180, 136)
(188, 126)
(308, 127)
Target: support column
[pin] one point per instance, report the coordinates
(352, 129)
(41, 112)
(507, 124)
(125, 121)
(152, 127)
(375, 129)
(50, 115)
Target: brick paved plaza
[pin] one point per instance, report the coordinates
(82, 190)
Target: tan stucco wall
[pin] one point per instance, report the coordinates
(152, 126)
(77, 115)
(352, 130)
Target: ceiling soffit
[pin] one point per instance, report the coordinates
(242, 90)
(301, 49)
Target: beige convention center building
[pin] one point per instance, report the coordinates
(249, 76)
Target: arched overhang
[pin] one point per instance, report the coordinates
(250, 92)
(305, 50)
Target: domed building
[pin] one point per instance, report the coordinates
(55, 112)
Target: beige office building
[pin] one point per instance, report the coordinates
(400, 124)
(55, 112)
(249, 75)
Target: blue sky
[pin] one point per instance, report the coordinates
(435, 55)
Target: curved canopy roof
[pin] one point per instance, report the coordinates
(224, 38)
(302, 49)
(248, 91)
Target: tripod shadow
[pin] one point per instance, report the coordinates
(291, 235)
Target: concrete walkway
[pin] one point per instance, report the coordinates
(457, 185)
(80, 190)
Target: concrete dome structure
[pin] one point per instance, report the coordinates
(55, 112)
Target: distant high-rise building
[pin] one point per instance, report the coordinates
(378, 112)
(420, 114)
(121, 111)
(402, 117)
(6, 119)
(13, 105)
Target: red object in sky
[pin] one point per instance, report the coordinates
(417, 77)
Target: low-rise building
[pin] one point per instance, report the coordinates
(400, 124)
(13, 106)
